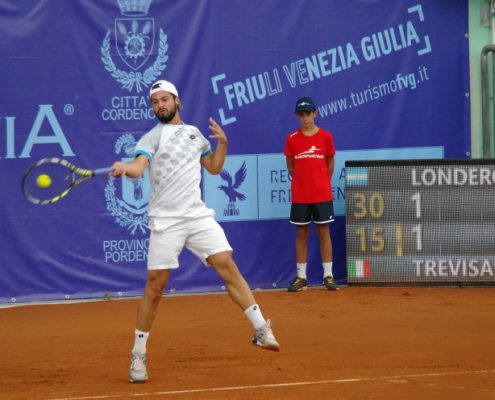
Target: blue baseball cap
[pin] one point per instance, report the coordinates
(305, 104)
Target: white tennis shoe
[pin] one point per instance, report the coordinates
(137, 371)
(265, 338)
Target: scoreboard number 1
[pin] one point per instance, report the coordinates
(416, 198)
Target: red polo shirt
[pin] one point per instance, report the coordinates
(311, 180)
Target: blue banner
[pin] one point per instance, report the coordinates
(391, 80)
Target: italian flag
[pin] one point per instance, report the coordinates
(359, 268)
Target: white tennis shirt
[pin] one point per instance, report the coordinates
(174, 152)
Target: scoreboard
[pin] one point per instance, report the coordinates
(420, 221)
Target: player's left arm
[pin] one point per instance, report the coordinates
(213, 162)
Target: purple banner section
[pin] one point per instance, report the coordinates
(75, 76)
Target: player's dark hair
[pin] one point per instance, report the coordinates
(179, 106)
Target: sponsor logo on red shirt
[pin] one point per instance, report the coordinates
(309, 153)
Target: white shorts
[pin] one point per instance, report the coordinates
(202, 236)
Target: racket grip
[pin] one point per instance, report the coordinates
(102, 171)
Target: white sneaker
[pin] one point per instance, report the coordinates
(264, 338)
(137, 371)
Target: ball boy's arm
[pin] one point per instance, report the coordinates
(331, 165)
(290, 165)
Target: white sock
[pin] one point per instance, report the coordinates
(301, 270)
(254, 315)
(140, 339)
(327, 269)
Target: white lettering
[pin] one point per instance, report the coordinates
(125, 250)
(449, 268)
(455, 176)
(45, 112)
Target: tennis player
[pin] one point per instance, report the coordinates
(174, 152)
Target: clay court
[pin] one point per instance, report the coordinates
(358, 343)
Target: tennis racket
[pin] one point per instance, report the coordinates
(51, 179)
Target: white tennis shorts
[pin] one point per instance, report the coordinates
(202, 236)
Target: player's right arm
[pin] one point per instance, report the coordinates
(133, 169)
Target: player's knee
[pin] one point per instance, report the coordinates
(227, 268)
(154, 291)
(231, 267)
(156, 284)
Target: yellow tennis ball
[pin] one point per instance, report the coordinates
(43, 181)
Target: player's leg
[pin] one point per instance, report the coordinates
(241, 294)
(163, 254)
(300, 216)
(156, 283)
(322, 216)
(148, 306)
(208, 241)
(235, 283)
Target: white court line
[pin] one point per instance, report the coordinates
(277, 385)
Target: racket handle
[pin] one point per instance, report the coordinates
(102, 171)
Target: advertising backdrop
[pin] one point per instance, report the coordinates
(391, 80)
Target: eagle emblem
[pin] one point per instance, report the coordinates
(230, 189)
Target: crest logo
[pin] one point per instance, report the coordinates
(129, 210)
(231, 189)
(134, 39)
(135, 42)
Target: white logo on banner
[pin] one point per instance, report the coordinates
(134, 41)
(230, 189)
(130, 210)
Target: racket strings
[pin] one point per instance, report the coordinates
(61, 179)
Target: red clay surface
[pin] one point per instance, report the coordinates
(358, 343)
